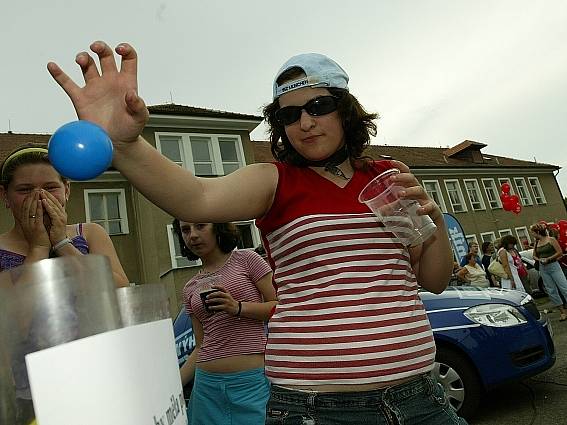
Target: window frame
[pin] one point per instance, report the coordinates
(508, 232)
(525, 201)
(460, 193)
(442, 205)
(502, 180)
(186, 152)
(472, 238)
(171, 238)
(488, 233)
(540, 189)
(519, 238)
(479, 194)
(122, 208)
(496, 192)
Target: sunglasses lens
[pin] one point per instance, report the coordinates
(315, 107)
(288, 115)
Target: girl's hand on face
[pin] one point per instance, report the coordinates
(57, 216)
(222, 301)
(31, 222)
(413, 190)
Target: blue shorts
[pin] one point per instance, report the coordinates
(237, 398)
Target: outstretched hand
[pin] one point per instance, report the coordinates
(413, 190)
(109, 98)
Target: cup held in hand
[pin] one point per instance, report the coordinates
(399, 216)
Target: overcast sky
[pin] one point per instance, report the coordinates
(438, 72)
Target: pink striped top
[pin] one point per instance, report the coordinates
(348, 309)
(226, 335)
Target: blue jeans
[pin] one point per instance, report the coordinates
(553, 280)
(419, 402)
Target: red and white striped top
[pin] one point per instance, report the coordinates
(348, 309)
(225, 335)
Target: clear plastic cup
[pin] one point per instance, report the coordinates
(398, 215)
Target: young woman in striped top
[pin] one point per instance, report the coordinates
(230, 386)
(349, 341)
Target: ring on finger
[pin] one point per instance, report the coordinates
(32, 216)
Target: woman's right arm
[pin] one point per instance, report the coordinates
(110, 99)
(187, 371)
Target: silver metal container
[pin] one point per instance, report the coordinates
(45, 304)
(143, 303)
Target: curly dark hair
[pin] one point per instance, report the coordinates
(358, 126)
(485, 246)
(226, 233)
(508, 240)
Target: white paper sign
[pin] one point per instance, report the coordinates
(127, 376)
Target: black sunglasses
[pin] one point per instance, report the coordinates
(321, 105)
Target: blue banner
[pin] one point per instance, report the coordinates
(456, 236)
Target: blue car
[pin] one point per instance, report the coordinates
(484, 338)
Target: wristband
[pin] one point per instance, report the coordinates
(239, 309)
(61, 244)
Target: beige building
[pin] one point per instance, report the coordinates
(463, 180)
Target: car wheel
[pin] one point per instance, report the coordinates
(459, 379)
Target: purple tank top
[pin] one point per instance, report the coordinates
(9, 259)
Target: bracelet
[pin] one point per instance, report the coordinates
(60, 244)
(239, 309)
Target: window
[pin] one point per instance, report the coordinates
(504, 232)
(488, 236)
(523, 238)
(248, 237)
(492, 193)
(107, 207)
(177, 260)
(434, 191)
(536, 190)
(455, 195)
(473, 192)
(523, 192)
(506, 180)
(470, 239)
(203, 154)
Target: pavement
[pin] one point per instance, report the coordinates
(541, 400)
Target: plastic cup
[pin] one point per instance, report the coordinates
(399, 216)
(206, 288)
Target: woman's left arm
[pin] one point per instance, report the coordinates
(100, 243)
(432, 261)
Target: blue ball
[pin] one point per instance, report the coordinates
(80, 150)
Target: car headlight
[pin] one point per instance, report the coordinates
(496, 315)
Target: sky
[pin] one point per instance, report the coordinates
(437, 72)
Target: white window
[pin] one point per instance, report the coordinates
(523, 192)
(523, 238)
(537, 190)
(506, 180)
(488, 236)
(178, 260)
(434, 191)
(473, 192)
(492, 193)
(107, 207)
(249, 236)
(203, 154)
(470, 239)
(504, 232)
(455, 195)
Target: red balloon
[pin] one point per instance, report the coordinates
(515, 199)
(504, 197)
(508, 205)
(562, 224)
(506, 188)
(517, 209)
(553, 226)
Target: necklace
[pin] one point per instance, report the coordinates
(336, 171)
(332, 163)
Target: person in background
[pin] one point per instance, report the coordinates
(227, 364)
(36, 195)
(505, 256)
(547, 251)
(487, 252)
(347, 287)
(473, 273)
(473, 249)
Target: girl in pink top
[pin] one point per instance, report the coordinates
(228, 302)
